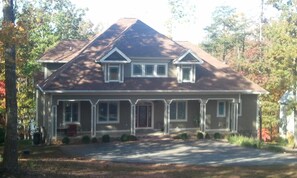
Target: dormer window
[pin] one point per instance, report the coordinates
(149, 70)
(113, 73)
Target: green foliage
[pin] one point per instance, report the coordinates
(124, 138)
(243, 141)
(94, 140)
(207, 136)
(291, 140)
(105, 138)
(200, 135)
(86, 139)
(66, 140)
(2, 135)
(183, 136)
(217, 136)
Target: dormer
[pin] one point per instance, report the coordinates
(186, 67)
(113, 65)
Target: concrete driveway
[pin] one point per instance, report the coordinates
(205, 152)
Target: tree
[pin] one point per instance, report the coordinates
(228, 30)
(10, 155)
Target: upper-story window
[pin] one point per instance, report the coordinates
(114, 73)
(186, 73)
(149, 70)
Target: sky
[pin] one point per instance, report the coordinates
(156, 14)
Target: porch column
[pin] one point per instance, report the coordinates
(235, 117)
(133, 115)
(93, 120)
(202, 114)
(167, 117)
(54, 121)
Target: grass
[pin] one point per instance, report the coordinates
(49, 161)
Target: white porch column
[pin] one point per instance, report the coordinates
(133, 115)
(93, 120)
(54, 121)
(202, 114)
(235, 117)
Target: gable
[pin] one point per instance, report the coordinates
(115, 56)
(188, 58)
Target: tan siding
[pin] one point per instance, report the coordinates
(85, 115)
(212, 121)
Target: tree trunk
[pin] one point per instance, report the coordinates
(10, 156)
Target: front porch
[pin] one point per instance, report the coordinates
(141, 116)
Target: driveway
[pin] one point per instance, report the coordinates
(205, 152)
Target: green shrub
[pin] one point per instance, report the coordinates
(282, 141)
(183, 136)
(217, 136)
(105, 138)
(132, 138)
(200, 135)
(243, 141)
(66, 140)
(207, 136)
(2, 135)
(85, 139)
(94, 140)
(124, 138)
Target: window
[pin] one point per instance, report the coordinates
(221, 109)
(114, 73)
(149, 70)
(71, 112)
(161, 70)
(186, 74)
(108, 112)
(178, 111)
(239, 109)
(137, 69)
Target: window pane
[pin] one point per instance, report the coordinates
(173, 110)
(221, 108)
(186, 74)
(149, 69)
(102, 111)
(67, 112)
(137, 69)
(181, 109)
(113, 111)
(161, 70)
(114, 73)
(74, 112)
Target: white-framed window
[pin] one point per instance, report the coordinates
(149, 70)
(71, 112)
(221, 108)
(108, 112)
(114, 73)
(178, 111)
(186, 73)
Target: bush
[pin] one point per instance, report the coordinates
(94, 140)
(85, 139)
(217, 136)
(243, 141)
(124, 138)
(66, 140)
(207, 136)
(2, 135)
(132, 138)
(200, 135)
(183, 136)
(105, 138)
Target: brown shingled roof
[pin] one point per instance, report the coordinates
(64, 51)
(137, 40)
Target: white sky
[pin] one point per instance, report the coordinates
(156, 13)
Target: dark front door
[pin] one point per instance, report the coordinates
(144, 115)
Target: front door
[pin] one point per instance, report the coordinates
(144, 115)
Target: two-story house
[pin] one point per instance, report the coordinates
(131, 78)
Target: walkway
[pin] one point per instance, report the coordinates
(205, 152)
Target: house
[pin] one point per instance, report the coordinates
(132, 79)
(286, 115)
